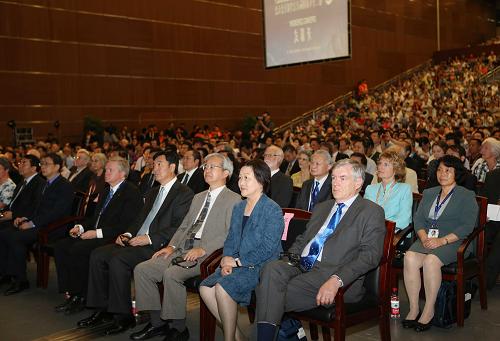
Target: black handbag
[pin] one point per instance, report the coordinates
(291, 330)
(445, 309)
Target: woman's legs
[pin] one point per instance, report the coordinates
(413, 262)
(432, 282)
(208, 296)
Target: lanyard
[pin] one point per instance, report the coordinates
(439, 205)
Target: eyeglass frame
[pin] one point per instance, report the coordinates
(211, 166)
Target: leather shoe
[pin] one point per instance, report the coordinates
(422, 327)
(95, 319)
(76, 304)
(149, 331)
(175, 335)
(407, 324)
(16, 287)
(120, 325)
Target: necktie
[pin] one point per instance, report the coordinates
(152, 214)
(106, 202)
(188, 244)
(314, 195)
(186, 178)
(18, 192)
(308, 261)
(289, 168)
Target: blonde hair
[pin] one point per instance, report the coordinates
(397, 163)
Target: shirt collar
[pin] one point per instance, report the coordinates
(169, 185)
(349, 201)
(50, 181)
(321, 181)
(215, 193)
(115, 188)
(190, 173)
(274, 172)
(30, 178)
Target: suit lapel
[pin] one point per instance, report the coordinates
(348, 217)
(166, 203)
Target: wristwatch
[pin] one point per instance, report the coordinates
(338, 279)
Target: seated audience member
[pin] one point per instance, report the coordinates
(193, 174)
(81, 174)
(411, 175)
(468, 180)
(303, 160)
(290, 164)
(111, 266)
(55, 203)
(7, 186)
(97, 182)
(27, 194)
(319, 188)
(439, 150)
(362, 146)
(147, 178)
(490, 158)
(491, 190)
(446, 215)
(474, 151)
(343, 241)
(253, 240)
(202, 231)
(281, 188)
(412, 159)
(118, 205)
(391, 193)
(361, 159)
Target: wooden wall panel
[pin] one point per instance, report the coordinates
(139, 62)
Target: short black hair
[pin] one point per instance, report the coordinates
(171, 157)
(454, 162)
(56, 159)
(197, 156)
(261, 171)
(34, 161)
(289, 148)
(459, 149)
(364, 161)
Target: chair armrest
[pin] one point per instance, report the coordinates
(465, 244)
(43, 234)
(398, 237)
(210, 263)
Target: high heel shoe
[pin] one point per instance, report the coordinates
(422, 327)
(407, 324)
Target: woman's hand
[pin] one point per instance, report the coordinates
(227, 261)
(433, 243)
(226, 270)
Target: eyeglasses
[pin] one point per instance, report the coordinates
(46, 164)
(271, 155)
(211, 166)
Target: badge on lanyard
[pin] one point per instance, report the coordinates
(434, 230)
(433, 233)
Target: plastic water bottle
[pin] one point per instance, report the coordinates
(134, 309)
(395, 304)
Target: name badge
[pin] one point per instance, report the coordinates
(433, 233)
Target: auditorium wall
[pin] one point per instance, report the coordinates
(134, 63)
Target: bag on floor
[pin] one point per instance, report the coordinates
(445, 309)
(291, 330)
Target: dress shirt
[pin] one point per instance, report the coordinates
(347, 204)
(321, 182)
(274, 172)
(213, 196)
(114, 189)
(189, 174)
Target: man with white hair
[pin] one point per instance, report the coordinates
(490, 158)
(281, 188)
(80, 174)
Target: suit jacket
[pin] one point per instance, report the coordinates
(81, 181)
(368, 181)
(123, 208)
(169, 217)
(216, 223)
(56, 202)
(491, 187)
(352, 250)
(325, 193)
(28, 199)
(281, 189)
(295, 167)
(196, 182)
(146, 183)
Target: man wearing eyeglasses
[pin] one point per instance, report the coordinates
(202, 231)
(193, 175)
(55, 203)
(80, 174)
(281, 188)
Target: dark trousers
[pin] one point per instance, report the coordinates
(14, 245)
(110, 275)
(493, 259)
(72, 256)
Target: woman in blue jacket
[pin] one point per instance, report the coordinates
(253, 240)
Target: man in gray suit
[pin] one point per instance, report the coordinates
(343, 241)
(202, 231)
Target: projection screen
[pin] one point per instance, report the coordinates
(301, 31)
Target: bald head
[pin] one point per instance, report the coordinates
(273, 156)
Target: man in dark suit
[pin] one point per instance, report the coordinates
(81, 174)
(55, 203)
(111, 266)
(361, 158)
(343, 241)
(118, 205)
(290, 165)
(27, 194)
(319, 188)
(281, 188)
(202, 231)
(193, 175)
(491, 190)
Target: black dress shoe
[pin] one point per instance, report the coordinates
(76, 304)
(16, 287)
(175, 335)
(422, 327)
(120, 325)
(95, 319)
(149, 331)
(407, 324)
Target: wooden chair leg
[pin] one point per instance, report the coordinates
(460, 301)
(384, 327)
(325, 331)
(207, 323)
(482, 289)
(314, 331)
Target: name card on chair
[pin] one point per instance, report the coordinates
(287, 217)
(493, 212)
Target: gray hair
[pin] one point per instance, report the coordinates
(100, 157)
(358, 171)
(495, 146)
(123, 164)
(227, 164)
(326, 155)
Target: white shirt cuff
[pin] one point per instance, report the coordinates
(149, 239)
